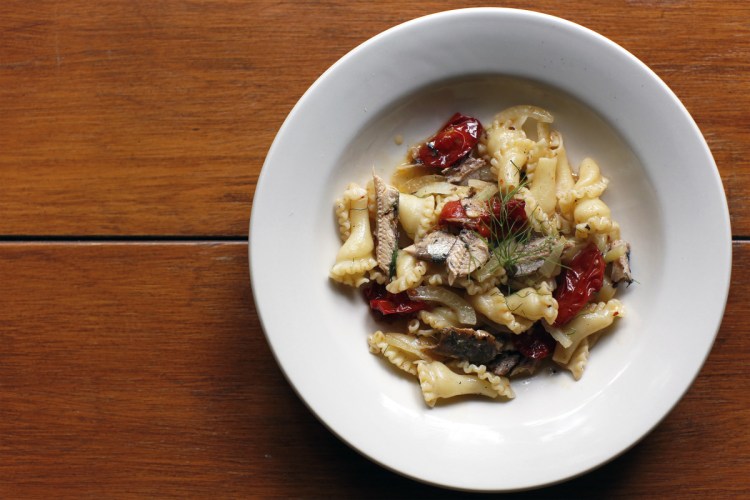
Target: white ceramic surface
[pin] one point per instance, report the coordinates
(665, 192)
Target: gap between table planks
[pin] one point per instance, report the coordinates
(141, 369)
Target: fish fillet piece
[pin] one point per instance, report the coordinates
(475, 346)
(435, 247)
(621, 267)
(386, 224)
(468, 254)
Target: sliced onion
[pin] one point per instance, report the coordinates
(558, 335)
(601, 242)
(485, 190)
(488, 269)
(607, 291)
(415, 184)
(524, 111)
(405, 174)
(478, 184)
(465, 313)
(408, 343)
(572, 251)
(552, 260)
(435, 188)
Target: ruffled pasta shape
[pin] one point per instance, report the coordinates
(534, 304)
(564, 180)
(578, 360)
(587, 208)
(594, 317)
(413, 326)
(438, 381)
(493, 305)
(508, 151)
(507, 145)
(598, 226)
(378, 276)
(590, 184)
(402, 350)
(437, 275)
(436, 279)
(342, 217)
(417, 215)
(501, 385)
(542, 185)
(474, 287)
(439, 317)
(409, 273)
(538, 218)
(540, 150)
(593, 216)
(342, 206)
(356, 256)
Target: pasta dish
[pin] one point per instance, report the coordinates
(487, 253)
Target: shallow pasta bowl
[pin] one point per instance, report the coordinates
(403, 84)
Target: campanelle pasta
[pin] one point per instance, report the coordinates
(499, 254)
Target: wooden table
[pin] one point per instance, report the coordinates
(132, 362)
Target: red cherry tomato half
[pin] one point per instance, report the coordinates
(452, 143)
(453, 213)
(388, 303)
(495, 218)
(535, 344)
(509, 217)
(582, 278)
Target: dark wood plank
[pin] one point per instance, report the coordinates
(130, 118)
(141, 370)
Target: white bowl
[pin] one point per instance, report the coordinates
(665, 192)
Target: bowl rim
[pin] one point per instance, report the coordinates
(578, 30)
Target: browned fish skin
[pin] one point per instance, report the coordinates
(468, 254)
(462, 254)
(475, 346)
(504, 363)
(386, 224)
(527, 366)
(470, 168)
(435, 247)
(535, 254)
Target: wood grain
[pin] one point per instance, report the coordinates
(153, 118)
(140, 370)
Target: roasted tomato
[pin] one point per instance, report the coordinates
(454, 214)
(456, 140)
(494, 219)
(510, 217)
(582, 278)
(535, 344)
(388, 303)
